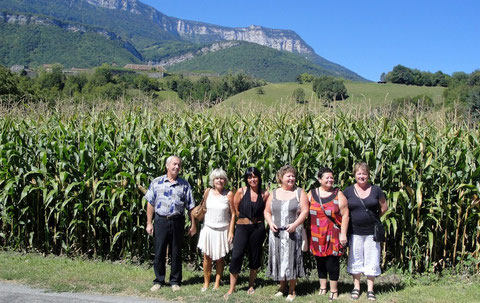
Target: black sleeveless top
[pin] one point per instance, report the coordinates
(249, 209)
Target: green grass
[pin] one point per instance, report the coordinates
(80, 275)
(374, 94)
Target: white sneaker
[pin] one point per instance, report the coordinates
(155, 287)
(175, 287)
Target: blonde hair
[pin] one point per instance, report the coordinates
(283, 170)
(217, 173)
(359, 166)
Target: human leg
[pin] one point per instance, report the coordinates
(177, 243)
(356, 262)
(240, 242)
(322, 274)
(220, 264)
(291, 290)
(255, 250)
(333, 268)
(161, 240)
(207, 271)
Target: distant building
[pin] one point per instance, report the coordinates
(17, 68)
(382, 82)
(143, 67)
(76, 71)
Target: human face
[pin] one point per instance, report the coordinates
(361, 177)
(219, 184)
(174, 167)
(253, 181)
(288, 180)
(327, 181)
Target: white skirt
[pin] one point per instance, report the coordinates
(214, 242)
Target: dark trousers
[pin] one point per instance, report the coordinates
(168, 232)
(330, 265)
(249, 236)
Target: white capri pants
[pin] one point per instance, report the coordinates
(364, 256)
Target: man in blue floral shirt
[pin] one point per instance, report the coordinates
(167, 197)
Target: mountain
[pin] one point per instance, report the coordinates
(253, 59)
(158, 37)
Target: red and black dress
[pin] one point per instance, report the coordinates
(325, 233)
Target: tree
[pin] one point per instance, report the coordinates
(299, 95)
(400, 75)
(8, 82)
(329, 88)
(305, 78)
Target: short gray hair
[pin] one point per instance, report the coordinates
(169, 159)
(217, 173)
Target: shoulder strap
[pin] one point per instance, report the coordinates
(298, 194)
(205, 195)
(369, 212)
(323, 209)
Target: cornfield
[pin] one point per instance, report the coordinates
(69, 182)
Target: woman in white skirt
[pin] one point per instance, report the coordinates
(216, 236)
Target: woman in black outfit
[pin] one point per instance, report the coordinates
(249, 203)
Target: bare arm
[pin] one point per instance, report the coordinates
(303, 213)
(236, 200)
(267, 213)
(383, 206)
(343, 204)
(231, 227)
(150, 213)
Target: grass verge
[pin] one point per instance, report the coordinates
(62, 274)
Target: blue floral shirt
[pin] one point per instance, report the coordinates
(170, 198)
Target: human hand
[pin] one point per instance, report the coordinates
(192, 231)
(343, 239)
(230, 238)
(273, 227)
(149, 229)
(291, 228)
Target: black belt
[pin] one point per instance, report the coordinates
(170, 217)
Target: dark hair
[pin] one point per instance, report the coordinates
(322, 171)
(252, 171)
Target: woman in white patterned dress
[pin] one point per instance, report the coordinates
(216, 236)
(285, 212)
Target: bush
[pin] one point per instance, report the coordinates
(329, 88)
(299, 95)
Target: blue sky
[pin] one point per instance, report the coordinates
(368, 37)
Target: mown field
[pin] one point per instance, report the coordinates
(69, 174)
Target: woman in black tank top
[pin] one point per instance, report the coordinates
(249, 202)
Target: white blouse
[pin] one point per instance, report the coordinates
(218, 210)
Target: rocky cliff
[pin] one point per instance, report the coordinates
(194, 31)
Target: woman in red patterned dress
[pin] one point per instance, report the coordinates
(328, 226)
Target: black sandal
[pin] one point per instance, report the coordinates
(355, 294)
(332, 293)
(371, 296)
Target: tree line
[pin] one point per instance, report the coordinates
(108, 82)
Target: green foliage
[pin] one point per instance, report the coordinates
(255, 60)
(68, 182)
(419, 102)
(404, 75)
(305, 78)
(34, 45)
(329, 88)
(8, 82)
(299, 95)
(465, 89)
(209, 92)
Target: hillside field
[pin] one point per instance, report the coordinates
(372, 93)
